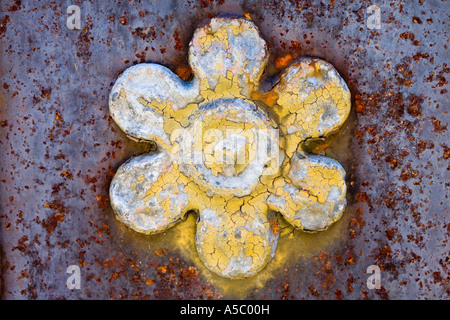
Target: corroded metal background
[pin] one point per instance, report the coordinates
(59, 150)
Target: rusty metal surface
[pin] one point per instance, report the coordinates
(60, 148)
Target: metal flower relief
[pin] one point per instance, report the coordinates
(228, 151)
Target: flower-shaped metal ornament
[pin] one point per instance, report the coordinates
(228, 151)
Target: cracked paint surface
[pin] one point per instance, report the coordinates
(237, 201)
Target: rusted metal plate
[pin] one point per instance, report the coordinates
(60, 149)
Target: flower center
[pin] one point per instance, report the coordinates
(229, 146)
(228, 153)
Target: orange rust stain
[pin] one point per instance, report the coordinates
(360, 103)
(274, 226)
(283, 62)
(269, 98)
(160, 252)
(321, 148)
(184, 72)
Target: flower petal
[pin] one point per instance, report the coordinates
(236, 244)
(312, 101)
(144, 96)
(145, 193)
(315, 198)
(228, 49)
